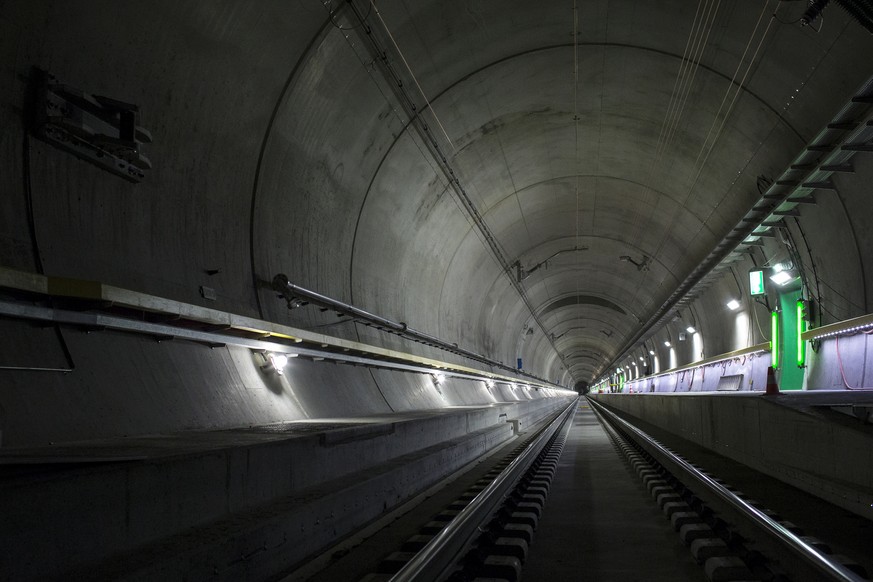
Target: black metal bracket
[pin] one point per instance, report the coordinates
(97, 129)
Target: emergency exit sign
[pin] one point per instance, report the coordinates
(756, 283)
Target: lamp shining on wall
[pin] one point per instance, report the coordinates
(733, 304)
(276, 362)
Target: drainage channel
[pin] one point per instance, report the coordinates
(487, 531)
(733, 537)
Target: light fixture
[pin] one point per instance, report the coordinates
(690, 329)
(781, 277)
(846, 331)
(490, 383)
(439, 379)
(733, 304)
(802, 314)
(642, 359)
(667, 343)
(651, 352)
(774, 339)
(278, 362)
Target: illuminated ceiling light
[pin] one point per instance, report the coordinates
(489, 382)
(651, 352)
(690, 329)
(667, 343)
(642, 359)
(439, 378)
(733, 304)
(781, 277)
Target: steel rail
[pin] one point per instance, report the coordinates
(290, 292)
(438, 556)
(821, 564)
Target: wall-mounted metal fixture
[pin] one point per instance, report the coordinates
(97, 129)
(566, 331)
(642, 265)
(521, 273)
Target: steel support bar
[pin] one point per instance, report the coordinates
(432, 561)
(821, 565)
(290, 291)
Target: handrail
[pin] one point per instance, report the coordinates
(431, 561)
(822, 564)
(292, 292)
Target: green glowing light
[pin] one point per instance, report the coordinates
(801, 327)
(774, 338)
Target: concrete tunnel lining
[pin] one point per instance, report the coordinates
(280, 146)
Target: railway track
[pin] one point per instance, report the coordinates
(488, 531)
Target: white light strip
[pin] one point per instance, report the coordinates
(846, 327)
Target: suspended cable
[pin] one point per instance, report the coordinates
(411, 74)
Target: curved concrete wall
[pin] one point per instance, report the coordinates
(280, 146)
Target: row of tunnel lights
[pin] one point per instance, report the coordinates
(278, 361)
(781, 275)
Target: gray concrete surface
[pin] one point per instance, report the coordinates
(600, 523)
(182, 504)
(793, 437)
(282, 145)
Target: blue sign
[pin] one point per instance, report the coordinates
(519, 363)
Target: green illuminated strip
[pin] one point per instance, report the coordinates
(801, 327)
(774, 338)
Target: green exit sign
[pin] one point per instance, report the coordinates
(756, 283)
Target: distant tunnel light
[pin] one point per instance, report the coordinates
(667, 343)
(690, 329)
(733, 304)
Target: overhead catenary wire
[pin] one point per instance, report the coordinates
(373, 6)
(699, 165)
(680, 88)
(383, 59)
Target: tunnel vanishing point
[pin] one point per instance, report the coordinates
(255, 250)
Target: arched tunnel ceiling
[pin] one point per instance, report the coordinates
(633, 129)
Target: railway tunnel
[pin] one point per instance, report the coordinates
(275, 276)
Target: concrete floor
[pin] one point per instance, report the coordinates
(599, 521)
